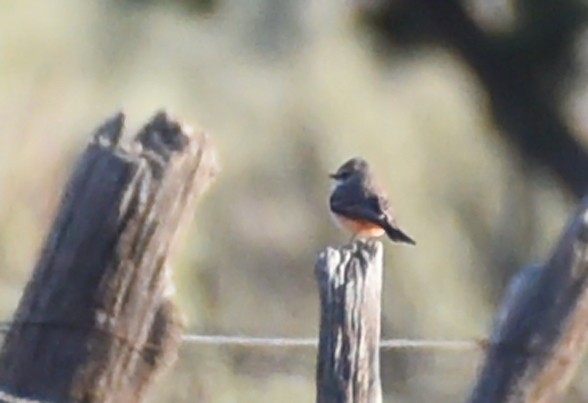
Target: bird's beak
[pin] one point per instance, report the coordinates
(333, 176)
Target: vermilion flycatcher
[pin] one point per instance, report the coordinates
(360, 204)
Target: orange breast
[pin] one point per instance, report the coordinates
(360, 228)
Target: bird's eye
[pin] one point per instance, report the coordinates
(344, 175)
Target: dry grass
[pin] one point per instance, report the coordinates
(286, 103)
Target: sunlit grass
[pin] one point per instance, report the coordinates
(280, 124)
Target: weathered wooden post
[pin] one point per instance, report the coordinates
(541, 331)
(350, 284)
(96, 321)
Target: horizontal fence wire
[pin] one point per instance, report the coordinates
(246, 341)
(310, 342)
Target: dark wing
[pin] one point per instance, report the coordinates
(368, 207)
(357, 205)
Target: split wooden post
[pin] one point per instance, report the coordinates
(350, 284)
(96, 322)
(541, 331)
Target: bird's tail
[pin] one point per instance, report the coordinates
(397, 235)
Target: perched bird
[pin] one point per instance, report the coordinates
(359, 203)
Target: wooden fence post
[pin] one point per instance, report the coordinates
(541, 331)
(96, 321)
(350, 284)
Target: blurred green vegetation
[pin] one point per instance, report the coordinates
(288, 91)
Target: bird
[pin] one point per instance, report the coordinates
(360, 204)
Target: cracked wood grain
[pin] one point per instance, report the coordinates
(96, 322)
(350, 284)
(541, 332)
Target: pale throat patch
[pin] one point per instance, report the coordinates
(335, 183)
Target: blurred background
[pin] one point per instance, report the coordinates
(474, 112)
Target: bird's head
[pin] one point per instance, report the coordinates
(352, 168)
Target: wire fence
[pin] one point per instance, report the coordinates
(389, 344)
(291, 342)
